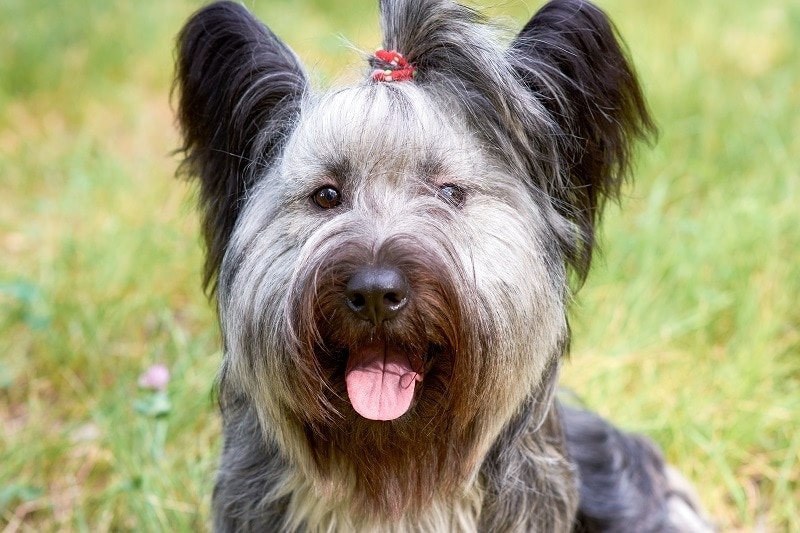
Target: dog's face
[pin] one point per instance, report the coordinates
(391, 258)
(376, 273)
(422, 203)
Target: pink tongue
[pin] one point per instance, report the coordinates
(380, 381)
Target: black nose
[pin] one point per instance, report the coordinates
(376, 293)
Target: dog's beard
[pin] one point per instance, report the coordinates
(398, 407)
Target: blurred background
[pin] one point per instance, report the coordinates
(688, 328)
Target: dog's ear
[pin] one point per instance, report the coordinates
(239, 89)
(570, 57)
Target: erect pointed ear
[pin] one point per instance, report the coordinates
(239, 90)
(569, 56)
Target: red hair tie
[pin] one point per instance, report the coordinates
(401, 69)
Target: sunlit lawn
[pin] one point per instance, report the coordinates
(688, 329)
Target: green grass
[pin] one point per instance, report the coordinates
(688, 329)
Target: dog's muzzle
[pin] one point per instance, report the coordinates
(380, 377)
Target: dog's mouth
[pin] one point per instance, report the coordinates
(381, 379)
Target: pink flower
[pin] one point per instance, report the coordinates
(154, 378)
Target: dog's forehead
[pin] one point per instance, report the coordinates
(380, 129)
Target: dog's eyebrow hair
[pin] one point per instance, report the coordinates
(430, 166)
(341, 169)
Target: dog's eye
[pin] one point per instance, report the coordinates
(327, 197)
(452, 194)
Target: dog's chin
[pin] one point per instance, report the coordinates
(392, 432)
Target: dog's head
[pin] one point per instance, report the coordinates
(391, 260)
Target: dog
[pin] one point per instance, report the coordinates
(392, 264)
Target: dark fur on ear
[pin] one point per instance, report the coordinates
(239, 93)
(570, 56)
